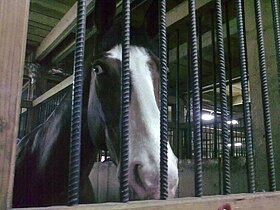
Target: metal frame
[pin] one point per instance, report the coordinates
(196, 96)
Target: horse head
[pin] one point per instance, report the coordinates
(144, 115)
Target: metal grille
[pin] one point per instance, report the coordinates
(229, 134)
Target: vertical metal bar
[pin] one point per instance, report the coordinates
(125, 98)
(20, 123)
(276, 25)
(232, 148)
(76, 117)
(196, 102)
(188, 115)
(26, 121)
(214, 84)
(178, 94)
(163, 102)
(245, 97)
(200, 79)
(265, 98)
(225, 139)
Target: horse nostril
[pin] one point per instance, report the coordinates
(144, 181)
(136, 180)
(136, 173)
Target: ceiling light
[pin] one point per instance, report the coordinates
(207, 116)
(233, 122)
(237, 144)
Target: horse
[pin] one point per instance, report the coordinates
(42, 161)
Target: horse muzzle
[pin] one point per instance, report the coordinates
(144, 182)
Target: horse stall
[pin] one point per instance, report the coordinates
(69, 77)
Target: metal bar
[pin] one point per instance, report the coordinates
(196, 102)
(189, 108)
(276, 25)
(245, 97)
(214, 84)
(163, 102)
(178, 94)
(76, 117)
(200, 77)
(21, 123)
(125, 96)
(265, 97)
(232, 148)
(225, 139)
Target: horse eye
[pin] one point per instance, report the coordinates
(98, 69)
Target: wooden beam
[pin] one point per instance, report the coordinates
(39, 25)
(43, 19)
(181, 11)
(37, 31)
(174, 15)
(35, 38)
(13, 30)
(60, 31)
(269, 200)
(206, 41)
(51, 41)
(65, 83)
(70, 48)
(57, 6)
(32, 43)
(39, 8)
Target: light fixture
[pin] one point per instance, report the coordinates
(237, 144)
(207, 116)
(233, 122)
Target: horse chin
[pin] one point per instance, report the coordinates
(140, 194)
(150, 195)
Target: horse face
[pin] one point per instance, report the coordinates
(144, 119)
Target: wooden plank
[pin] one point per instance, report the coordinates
(174, 15)
(43, 19)
(13, 30)
(70, 48)
(257, 201)
(32, 43)
(39, 25)
(39, 8)
(37, 31)
(181, 11)
(53, 5)
(67, 2)
(206, 42)
(60, 31)
(35, 38)
(65, 83)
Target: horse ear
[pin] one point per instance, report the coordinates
(151, 21)
(104, 14)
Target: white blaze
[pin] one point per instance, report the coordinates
(144, 146)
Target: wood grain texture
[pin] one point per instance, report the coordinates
(258, 201)
(13, 30)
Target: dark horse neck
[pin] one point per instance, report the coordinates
(41, 176)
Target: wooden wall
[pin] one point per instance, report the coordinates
(13, 30)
